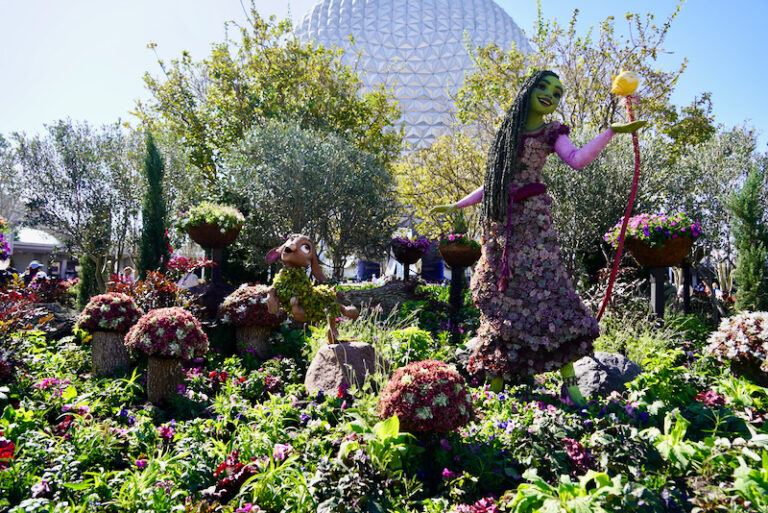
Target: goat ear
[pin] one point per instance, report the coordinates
(273, 255)
(316, 271)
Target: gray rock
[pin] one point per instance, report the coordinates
(464, 353)
(60, 323)
(602, 373)
(345, 362)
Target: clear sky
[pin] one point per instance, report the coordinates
(85, 59)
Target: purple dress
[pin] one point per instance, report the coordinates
(538, 323)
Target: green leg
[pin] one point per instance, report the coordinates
(573, 390)
(497, 384)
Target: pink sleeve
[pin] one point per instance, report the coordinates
(473, 198)
(580, 158)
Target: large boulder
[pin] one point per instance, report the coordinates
(603, 373)
(346, 363)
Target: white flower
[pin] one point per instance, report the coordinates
(440, 400)
(407, 379)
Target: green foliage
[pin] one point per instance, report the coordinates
(88, 285)
(750, 231)
(287, 179)
(752, 484)
(594, 492)
(82, 185)
(407, 345)
(585, 64)
(210, 104)
(153, 250)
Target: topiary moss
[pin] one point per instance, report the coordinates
(318, 301)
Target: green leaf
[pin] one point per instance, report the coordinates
(389, 428)
(69, 393)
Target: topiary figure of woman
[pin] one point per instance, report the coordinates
(532, 320)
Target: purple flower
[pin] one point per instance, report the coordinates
(140, 464)
(166, 431)
(448, 474)
(281, 451)
(445, 444)
(40, 489)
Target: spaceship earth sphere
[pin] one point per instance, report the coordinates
(417, 47)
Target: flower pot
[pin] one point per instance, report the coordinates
(670, 254)
(164, 375)
(459, 255)
(108, 353)
(406, 255)
(211, 236)
(255, 340)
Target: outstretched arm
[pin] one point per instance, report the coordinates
(580, 158)
(473, 198)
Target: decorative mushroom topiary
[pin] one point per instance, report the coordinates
(107, 317)
(246, 308)
(166, 335)
(427, 396)
(742, 340)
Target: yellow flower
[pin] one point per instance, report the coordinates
(625, 83)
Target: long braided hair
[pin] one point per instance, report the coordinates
(504, 157)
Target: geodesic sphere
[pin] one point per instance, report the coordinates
(418, 47)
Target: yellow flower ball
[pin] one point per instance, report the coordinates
(625, 83)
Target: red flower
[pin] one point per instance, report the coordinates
(7, 448)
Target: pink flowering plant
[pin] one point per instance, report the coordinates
(742, 338)
(112, 311)
(427, 396)
(404, 243)
(655, 229)
(223, 216)
(462, 239)
(172, 332)
(247, 306)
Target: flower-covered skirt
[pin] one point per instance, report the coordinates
(538, 323)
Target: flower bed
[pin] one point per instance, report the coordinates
(170, 332)
(112, 311)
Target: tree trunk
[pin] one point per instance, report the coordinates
(254, 340)
(108, 353)
(164, 375)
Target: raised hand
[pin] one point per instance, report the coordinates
(628, 128)
(443, 209)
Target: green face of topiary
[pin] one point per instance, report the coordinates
(318, 302)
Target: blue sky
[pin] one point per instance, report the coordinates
(85, 59)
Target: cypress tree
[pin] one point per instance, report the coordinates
(154, 251)
(751, 237)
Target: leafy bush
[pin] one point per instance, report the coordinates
(426, 396)
(408, 345)
(157, 291)
(112, 311)
(170, 332)
(247, 306)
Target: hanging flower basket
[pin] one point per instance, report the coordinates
(212, 236)
(211, 225)
(409, 251)
(657, 240)
(671, 254)
(458, 250)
